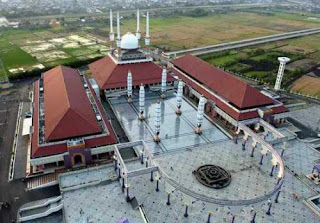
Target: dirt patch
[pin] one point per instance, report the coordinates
(307, 85)
(304, 64)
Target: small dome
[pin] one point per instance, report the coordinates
(129, 42)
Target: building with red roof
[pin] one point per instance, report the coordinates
(111, 75)
(229, 96)
(111, 72)
(69, 122)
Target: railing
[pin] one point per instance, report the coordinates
(215, 200)
(15, 143)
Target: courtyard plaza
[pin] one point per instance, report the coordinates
(176, 131)
(99, 198)
(96, 195)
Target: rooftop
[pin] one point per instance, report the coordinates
(68, 111)
(236, 91)
(109, 74)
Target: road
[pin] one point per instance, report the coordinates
(197, 51)
(14, 192)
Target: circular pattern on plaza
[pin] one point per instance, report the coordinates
(212, 176)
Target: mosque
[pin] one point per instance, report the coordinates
(70, 127)
(183, 123)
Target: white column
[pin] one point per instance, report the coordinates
(164, 83)
(141, 102)
(179, 97)
(138, 34)
(147, 38)
(129, 86)
(118, 31)
(283, 61)
(200, 112)
(111, 35)
(156, 137)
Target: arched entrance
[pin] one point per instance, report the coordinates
(77, 159)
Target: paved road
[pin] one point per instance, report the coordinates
(14, 192)
(244, 43)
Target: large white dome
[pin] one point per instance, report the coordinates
(129, 42)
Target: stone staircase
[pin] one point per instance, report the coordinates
(40, 209)
(42, 181)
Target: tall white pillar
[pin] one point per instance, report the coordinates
(118, 31)
(138, 34)
(156, 137)
(283, 61)
(129, 86)
(141, 102)
(147, 38)
(164, 83)
(200, 113)
(179, 97)
(111, 34)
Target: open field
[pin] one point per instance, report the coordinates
(307, 85)
(261, 62)
(181, 32)
(25, 50)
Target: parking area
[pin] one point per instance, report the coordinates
(176, 131)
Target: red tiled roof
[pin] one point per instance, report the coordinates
(279, 109)
(68, 112)
(110, 75)
(36, 150)
(238, 92)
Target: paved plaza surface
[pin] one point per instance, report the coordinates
(310, 117)
(105, 202)
(95, 195)
(176, 132)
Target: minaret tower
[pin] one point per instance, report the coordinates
(138, 34)
(111, 34)
(283, 61)
(118, 36)
(147, 38)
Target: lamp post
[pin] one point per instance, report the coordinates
(244, 145)
(253, 220)
(157, 187)
(274, 164)
(233, 218)
(269, 207)
(115, 162)
(284, 146)
(128, 197)
(168, 198)
(209, 217)
(119, 173)
(186, 210)
(141, 156)
(277, 197)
